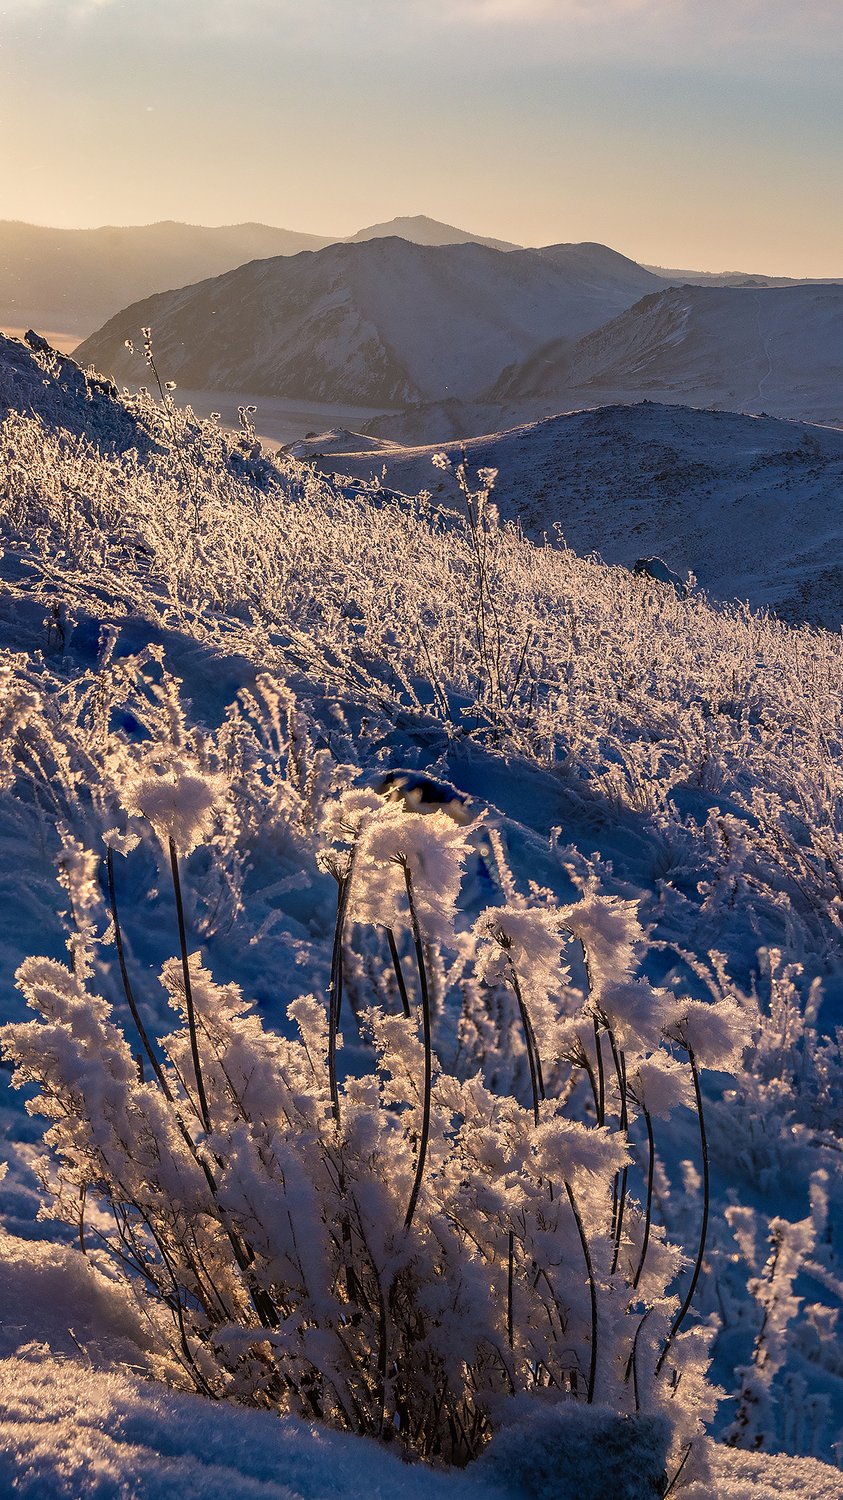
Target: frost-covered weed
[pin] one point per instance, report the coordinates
(723, 726)
(402, 1250)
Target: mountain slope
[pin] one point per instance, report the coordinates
(750, 505)
(776, 350)
(688, 762)
(36, 380)
(75, 278)
(381, 323)
(739, 278)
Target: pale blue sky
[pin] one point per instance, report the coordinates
(697, 133)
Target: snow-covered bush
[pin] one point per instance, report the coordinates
(400, 1250)
(552, 1450)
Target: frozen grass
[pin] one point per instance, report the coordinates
(718, 725)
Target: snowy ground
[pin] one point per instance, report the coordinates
(749, 505)
(277, 422)
(68, 1432)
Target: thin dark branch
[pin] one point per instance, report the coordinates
(399, 972)
(509, 1278)
(689, 1295)
(592, 1285)
(426, 1038)
(188, 991)
(343, 879)
(648, 1208)
(536, 1078)
(127, 987)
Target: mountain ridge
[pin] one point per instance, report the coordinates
(75, 279)
(380, 322)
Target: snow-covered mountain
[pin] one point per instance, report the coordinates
(383, 322)
(750, 505)
(767, 349)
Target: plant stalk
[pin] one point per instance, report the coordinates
(428, 1046)
(681, 1314)
(188, 991)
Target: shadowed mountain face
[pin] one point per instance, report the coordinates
(768, 349)
(751, 505)
(384, 322)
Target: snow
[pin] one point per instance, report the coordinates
(72, 1432)
(755, 349)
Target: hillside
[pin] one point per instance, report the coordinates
(378, 323)
(750, 505)
(771, 349)
(424, 950)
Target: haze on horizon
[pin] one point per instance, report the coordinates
(697, 136)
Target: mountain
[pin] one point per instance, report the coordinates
(739, 278)
(383, 322)
(750, 505)
(421, 230)
(73, 279)
(768, 349)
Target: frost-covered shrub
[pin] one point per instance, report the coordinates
(400, 1250)
(789, 1246)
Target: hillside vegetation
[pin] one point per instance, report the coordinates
(465, 863)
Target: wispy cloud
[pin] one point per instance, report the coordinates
(619, 25)
(733, 34)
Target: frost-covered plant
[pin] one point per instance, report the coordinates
(501, 675)
(789, 1246)
(401, 1250)
(375, 597)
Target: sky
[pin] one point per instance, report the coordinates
(696, 134)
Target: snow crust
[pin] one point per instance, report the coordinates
(70, 1432)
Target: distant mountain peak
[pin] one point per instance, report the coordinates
(422, 230)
